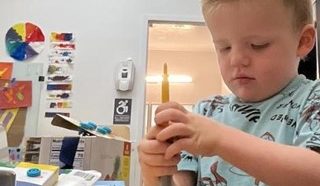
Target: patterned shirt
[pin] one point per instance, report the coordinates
(291, 117)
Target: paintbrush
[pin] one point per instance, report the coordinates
(165, 180)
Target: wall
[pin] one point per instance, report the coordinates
(106, 32)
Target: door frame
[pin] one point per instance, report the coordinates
(148, 19)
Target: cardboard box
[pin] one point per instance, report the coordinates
(108, 154)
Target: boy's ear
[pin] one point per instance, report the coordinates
(307, 40)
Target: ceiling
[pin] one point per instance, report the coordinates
(179, 37)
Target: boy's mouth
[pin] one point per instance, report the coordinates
(243, 79)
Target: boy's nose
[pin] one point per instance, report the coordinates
(239, 58)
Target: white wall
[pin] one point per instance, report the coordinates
(106, 31)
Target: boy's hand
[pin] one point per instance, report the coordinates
(151, 157)
(191, 132)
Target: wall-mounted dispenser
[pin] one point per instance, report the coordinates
(125, 75)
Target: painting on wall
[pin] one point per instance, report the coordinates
(7, 117)
(16, 94)
(5, 70)
(59, 73)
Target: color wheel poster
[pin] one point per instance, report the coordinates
(24, 41)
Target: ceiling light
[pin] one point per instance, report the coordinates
(172, 79)
(171, 26)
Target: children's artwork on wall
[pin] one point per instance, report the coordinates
(59, 69)
(16, 94)
(24, 41)
(63, 46)
(7, 117)
(62, 86)
(59, 104)
(60, 78)
(62, 60)
(61, 53)
(52, 114)
(5, 70)
(59, 95)
(59, 74)
(58, 37)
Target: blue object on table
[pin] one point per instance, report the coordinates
(88, 126)
(104, 130)
(33, 172)
(109, 183)
(93, 125)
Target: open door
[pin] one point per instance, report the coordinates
(187, 49)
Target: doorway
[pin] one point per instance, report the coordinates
(187, 49)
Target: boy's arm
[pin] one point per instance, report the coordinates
(272, 163)
(184, 178)
(181, 178)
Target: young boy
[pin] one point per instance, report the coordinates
(268, 131)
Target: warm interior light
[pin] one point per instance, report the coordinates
(154, 79)
(172, 79)
(172, 26)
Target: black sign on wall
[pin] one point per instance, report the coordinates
(122, 111)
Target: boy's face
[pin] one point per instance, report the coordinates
(256, 47)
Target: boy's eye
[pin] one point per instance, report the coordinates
(260, 46)
(224, 49)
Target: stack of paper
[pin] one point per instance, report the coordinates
(48, 177)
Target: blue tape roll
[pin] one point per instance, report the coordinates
(92, 125)
(104, 130)
(33, 172)
(88, 126)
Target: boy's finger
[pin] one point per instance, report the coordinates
(160, 170)
(174, 130)
(178, 145)
(173, 105)
(153, 132)
(153, 147)
(158, 160)
(170, 114)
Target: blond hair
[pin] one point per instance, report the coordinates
(301, 9)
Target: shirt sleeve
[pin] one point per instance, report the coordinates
(188, 162)
(308, 126)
